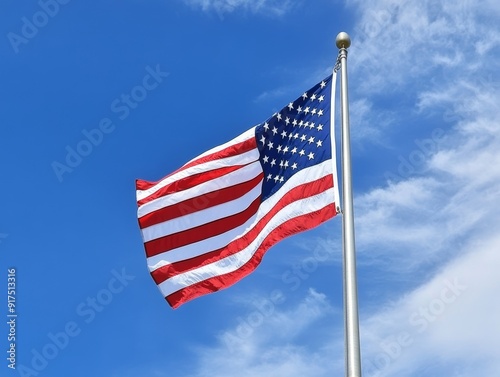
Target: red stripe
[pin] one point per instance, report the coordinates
(292, 226)
(232, 150)
(189, 182)
(196, 234)
(300, 192)
(199, 203)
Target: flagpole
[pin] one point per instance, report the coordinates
(351, 318)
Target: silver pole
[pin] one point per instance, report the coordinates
(351, 319)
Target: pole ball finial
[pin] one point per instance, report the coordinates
(343, 40)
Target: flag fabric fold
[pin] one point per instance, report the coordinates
(208, 224)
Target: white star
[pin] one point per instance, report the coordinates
(310, 155)
(284, 134)
(307, 110)
(311, 140)
(301, 123)
(275, 130)
(285, 150)
(323, 84)
(299, 109)
(270, 145)
(303, 138)
(286, 164)
(319, 143)
(320, 112)
(263, 140)
(321, 98)
(296, 136)
(302, 152)
(282, 179)
(266, 126)
(313, 111)
(313, 97)
(294, 150)
(287, 121)
(279, 148)
(273, 162)
(320, 127)
(269, 176)
(276, 178)
(311, 125)
(294, 166)
(294, 122)
(304, 96)
(278, 116)
(265, 159)
(290, 106)
(282, 163)
(290, 135)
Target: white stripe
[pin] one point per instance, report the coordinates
(241, 159)
(241, 175)
(236, 261)
(214, 243)
(332, 139)
(201, 247)
(202, 217)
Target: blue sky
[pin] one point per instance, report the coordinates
(97, 94)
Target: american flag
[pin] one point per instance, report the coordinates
(208, 224)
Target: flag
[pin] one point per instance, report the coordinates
(208, 224)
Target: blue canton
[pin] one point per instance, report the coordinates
(296, 137)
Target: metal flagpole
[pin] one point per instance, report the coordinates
(351, 319)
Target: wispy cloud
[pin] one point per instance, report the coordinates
(271, 94)
(448, 322)
(397, 42)
(273, 349)
(266, 7)
(437, 229)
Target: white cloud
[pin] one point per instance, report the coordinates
(442, 224)
(271, 348)
(368, 123)
(450, 320)
(221, 7)
(397, 42)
